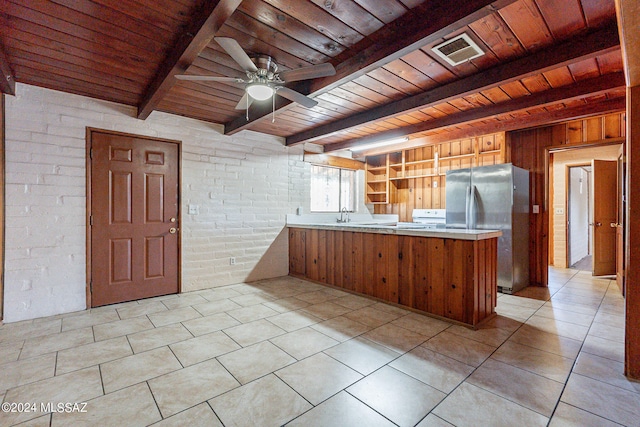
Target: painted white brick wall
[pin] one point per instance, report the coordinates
(244, 186)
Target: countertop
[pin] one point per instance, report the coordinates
(403, 230)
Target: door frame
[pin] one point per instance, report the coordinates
(89, 138)
(567, 208)
(548, 185)
(2, 202)
(621, 276)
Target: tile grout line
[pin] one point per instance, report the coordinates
(153, 396)
(489, 391)
(564, 385)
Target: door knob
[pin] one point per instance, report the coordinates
(173, 230)
(172, 219)
(613, 225)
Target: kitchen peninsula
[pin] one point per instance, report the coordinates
(450, 273)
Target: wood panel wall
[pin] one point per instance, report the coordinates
(632, 234)
(529, 149)
(417, 272)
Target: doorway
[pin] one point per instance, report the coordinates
(561, 161)
(579, 236)
(133, 217)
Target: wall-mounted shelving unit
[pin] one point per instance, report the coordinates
(377, 176)
(415, 178)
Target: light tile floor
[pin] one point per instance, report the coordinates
(287, 351)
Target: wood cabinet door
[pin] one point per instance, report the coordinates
(134, 218)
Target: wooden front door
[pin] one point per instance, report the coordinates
(605, 184)
(134, 218)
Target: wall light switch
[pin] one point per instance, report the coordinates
(536, 208)
(194, 209)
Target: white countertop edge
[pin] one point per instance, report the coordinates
(445, 233)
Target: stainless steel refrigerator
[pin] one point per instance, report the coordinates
(495, 198)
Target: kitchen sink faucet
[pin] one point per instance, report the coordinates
(344, 211)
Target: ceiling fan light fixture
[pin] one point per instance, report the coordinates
(260, 92)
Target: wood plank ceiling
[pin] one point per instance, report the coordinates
(544, 61)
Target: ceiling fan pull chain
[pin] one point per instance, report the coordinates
(273, 107)
(247, 107)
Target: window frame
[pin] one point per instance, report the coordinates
(353, 189)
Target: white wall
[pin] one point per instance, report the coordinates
(578, 202)
(244, 186)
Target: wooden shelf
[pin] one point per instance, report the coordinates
(459, 156)
(376, 168)
(426, 175)
(376, 181)
(490, 152)
(375, 192)
(419, 162)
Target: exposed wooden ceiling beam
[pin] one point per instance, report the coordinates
(628, 13)
(427, 23)
(578, 48)
(589, 87)
(7, 81)
(614, 105)
(536, 120)
(206, 22)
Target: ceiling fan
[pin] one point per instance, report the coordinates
(263, 79)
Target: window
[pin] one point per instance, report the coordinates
(332, 189)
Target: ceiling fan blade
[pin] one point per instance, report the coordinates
(238, 54)
(193, 77)
(294, 96)
(312, 72)
(242, 105)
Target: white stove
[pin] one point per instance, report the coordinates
(430, 218)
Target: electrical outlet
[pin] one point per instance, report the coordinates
(232, 260)
(194, 209)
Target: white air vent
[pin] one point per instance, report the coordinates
(458, 50)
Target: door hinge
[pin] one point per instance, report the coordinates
(91, 286)
(90, 220)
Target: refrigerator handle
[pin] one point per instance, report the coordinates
(467, 207)
(473, 208)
